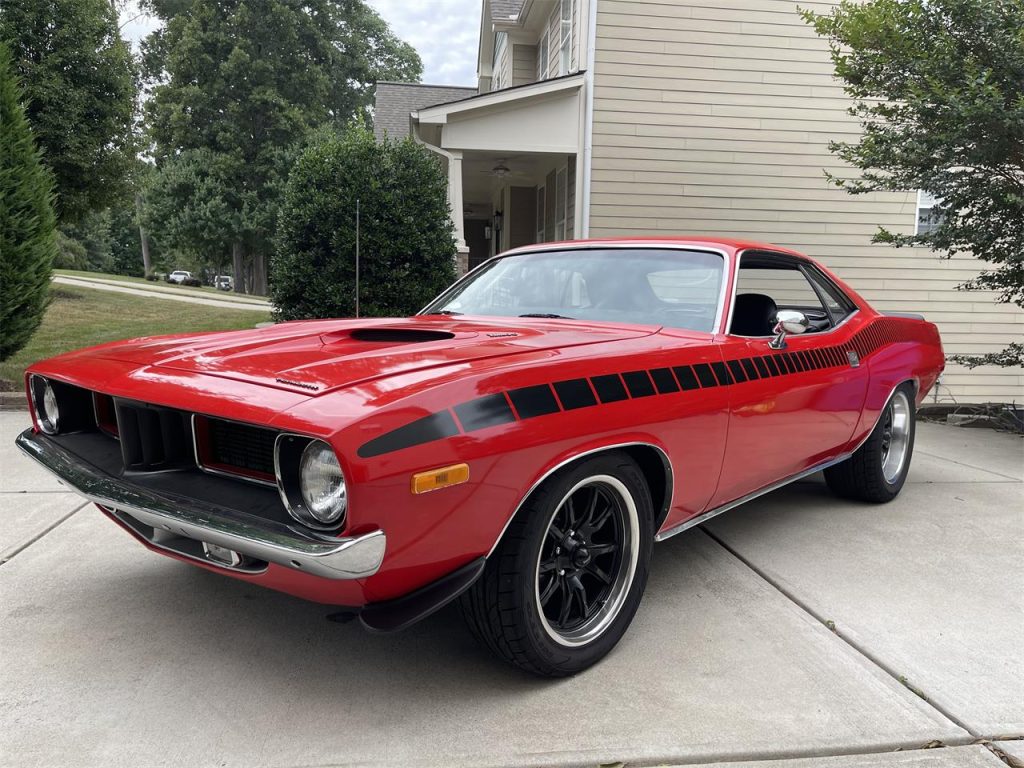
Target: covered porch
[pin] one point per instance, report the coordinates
(512, 165)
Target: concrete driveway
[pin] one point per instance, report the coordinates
(112, 656)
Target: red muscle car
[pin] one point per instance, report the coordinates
(519, 445)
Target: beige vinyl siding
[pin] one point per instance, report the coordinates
(554, 38)
(524, 64)
(714, 117)
(503, 72)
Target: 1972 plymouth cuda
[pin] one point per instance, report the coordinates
(519, 445)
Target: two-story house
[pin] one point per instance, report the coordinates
(596, 118)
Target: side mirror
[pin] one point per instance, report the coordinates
(787, 321)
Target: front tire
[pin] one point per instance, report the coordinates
(565, 582)
(878, 469)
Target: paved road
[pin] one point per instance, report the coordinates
(113, 656)
(161, 287)
(128, 288)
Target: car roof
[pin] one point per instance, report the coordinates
(731, 245)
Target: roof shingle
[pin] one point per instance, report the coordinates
(396, 100)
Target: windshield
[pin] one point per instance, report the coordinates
(677, 288)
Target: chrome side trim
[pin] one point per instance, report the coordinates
(329, 557)
(705, 516)
(219, 472)
(749, 497)
(669, 474)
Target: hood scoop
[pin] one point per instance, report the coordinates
(395, 335)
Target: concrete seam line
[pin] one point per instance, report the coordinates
(41, 534)
(971, 466)
(825, 623)
(668, 760)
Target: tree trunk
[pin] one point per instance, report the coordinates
(147, 263)
(236, 266)
(259, 274)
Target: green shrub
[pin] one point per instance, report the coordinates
(28, 235)
(71, 254)
(407, 253)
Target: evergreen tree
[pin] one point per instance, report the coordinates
(28, 235)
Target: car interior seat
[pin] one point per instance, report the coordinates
(753, 315)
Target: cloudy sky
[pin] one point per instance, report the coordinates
(443, 31)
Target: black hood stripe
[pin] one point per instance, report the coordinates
(545, 399)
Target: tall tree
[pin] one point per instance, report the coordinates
(28, 235)
(239, 84)
(80, 84)
(938, 86)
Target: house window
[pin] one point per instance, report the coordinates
(928, 219)
(540, 213)
(565, 41)
(542, 57)
(561, 203)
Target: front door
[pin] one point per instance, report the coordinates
(792, 408)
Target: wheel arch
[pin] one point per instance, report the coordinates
(654, 464)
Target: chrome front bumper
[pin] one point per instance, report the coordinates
(353, 557)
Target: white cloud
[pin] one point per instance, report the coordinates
(444, 32)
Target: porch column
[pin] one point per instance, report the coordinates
(455, 202)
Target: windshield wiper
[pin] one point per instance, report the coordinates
(546, 315)
(448, 312)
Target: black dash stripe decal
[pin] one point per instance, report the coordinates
(575, 393)
(436, 426)
(638, 383)
(484, 412)
(794, 360)
(762, 367)
(687, 378)
(737, 371)
(535, 401)
(748, 368)
(609, 388)
(664, 381)
(704, 375)
(773, 367)
(721, 373)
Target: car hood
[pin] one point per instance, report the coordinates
(315, 357)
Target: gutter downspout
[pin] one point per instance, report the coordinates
(454, 165)
(588, 127)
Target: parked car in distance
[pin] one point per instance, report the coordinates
(224, 283)
(179, 276)
(519, 445)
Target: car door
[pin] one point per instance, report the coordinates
(795, 407)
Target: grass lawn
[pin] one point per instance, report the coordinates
(143, 283)
(81, 317)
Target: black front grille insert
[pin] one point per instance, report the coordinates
(233, 448)
(153, 438)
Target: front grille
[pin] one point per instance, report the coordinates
(153, 438)
(240, 449)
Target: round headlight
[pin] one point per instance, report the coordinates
(322, 484)
(47, 411)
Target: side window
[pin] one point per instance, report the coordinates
(764, 286)
(786, 285)
(836, 302)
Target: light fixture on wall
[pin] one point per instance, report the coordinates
(497, 221)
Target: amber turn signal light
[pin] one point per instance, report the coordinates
(435, 479)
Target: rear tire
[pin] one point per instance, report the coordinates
(878, 469)
(566, 580)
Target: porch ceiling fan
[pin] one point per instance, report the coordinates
(501, 170)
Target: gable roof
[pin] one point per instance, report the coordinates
(503, 10)
(394, 102)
